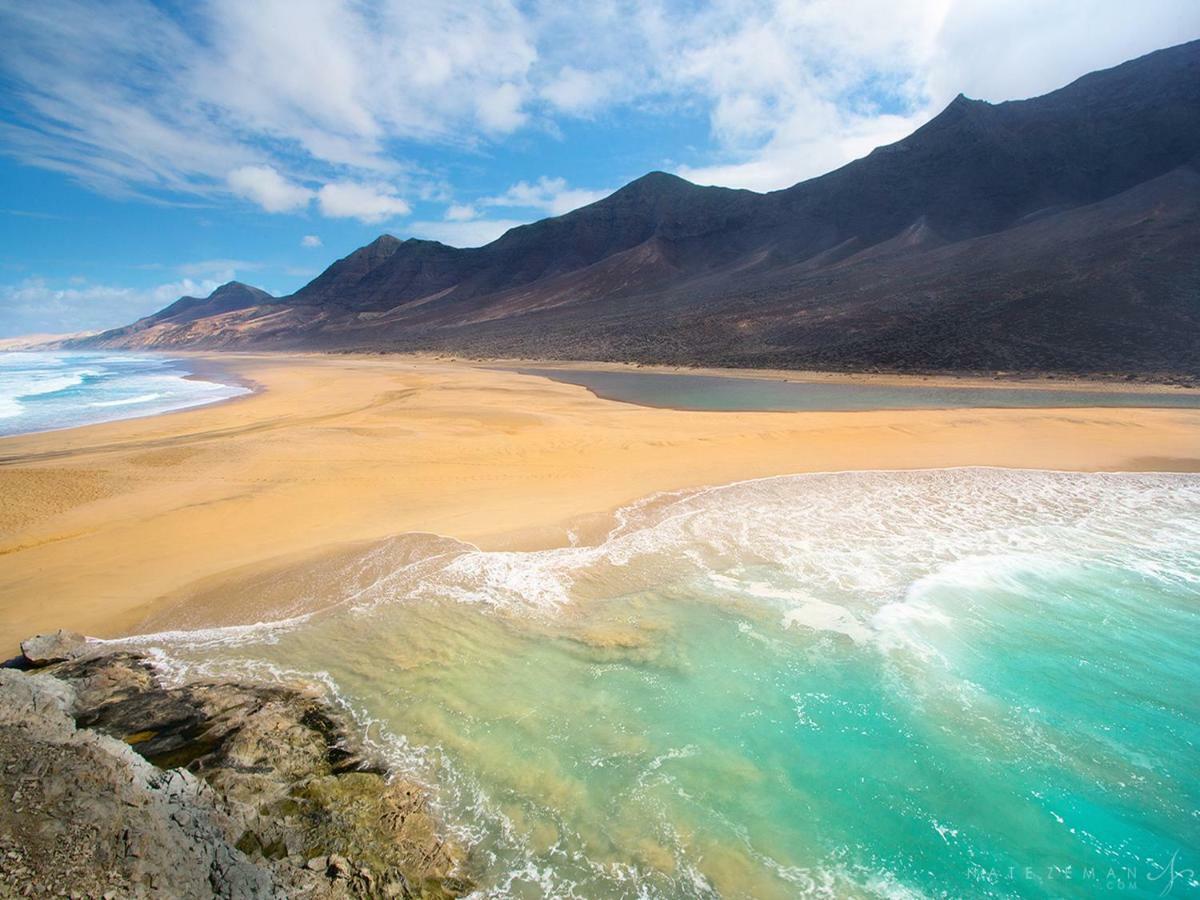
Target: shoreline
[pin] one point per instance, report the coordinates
(561, 376)
(107, 526)
(217, 610)
(213, 369)
(205, 368)
(1000, 380)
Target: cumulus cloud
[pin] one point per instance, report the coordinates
(130, 97)
(270, 190)
(578, 92)
(499, 109)
(37, 306)
(310, 240)
(367, 203)
(134, 98)
(550, 195)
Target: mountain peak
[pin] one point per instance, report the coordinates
(962, 106)
(234, 294)
(656, 183)
(232, 286)
(230, 296)
(379, 249)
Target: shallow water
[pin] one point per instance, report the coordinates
(716, 392)
(45, 390)
(966, 682)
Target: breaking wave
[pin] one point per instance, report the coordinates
(865, 684)
(44, 390)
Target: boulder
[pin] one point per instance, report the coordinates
(57, 646)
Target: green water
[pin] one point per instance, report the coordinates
(715, 392)
(950, 684)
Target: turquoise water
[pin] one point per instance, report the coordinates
(953, 683)
(45, 390)
(715, 392)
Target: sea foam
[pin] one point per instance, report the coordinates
(845, 684)
(46, 390)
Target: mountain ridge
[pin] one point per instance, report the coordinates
(735, 277)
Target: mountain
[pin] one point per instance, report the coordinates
(187, 321)
(232, 295)
(1059, 233)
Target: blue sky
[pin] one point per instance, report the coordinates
(149, 150)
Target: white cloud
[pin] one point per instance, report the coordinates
(787, 157)
(134, 98)
(36, 306)
(310, 240)
(1005, 51)
(795, 90)
(130, 98)
(367, 203)
(461, 212)
(499, 109)
(165, 294)
(474, 233)
(577, 92)
(270, 190)
(551, 195)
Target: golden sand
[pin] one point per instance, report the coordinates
(101, 526)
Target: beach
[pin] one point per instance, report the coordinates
(582, 647)
(106, 526)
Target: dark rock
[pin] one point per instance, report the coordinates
(337, 866)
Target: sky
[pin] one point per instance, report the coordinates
(150, 150)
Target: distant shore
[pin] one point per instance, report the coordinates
(105, 526)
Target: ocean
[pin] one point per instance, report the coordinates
(46, 390)
(945, 683)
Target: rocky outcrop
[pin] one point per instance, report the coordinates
(112, 784)
(45, 649)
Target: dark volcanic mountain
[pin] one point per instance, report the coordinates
(1057, 233)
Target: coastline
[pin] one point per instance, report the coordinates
(179, 786)
(211, 368)
(106, 525)
(203, 368)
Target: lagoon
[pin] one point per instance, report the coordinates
(738, 393)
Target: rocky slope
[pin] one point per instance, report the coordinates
(1056, 233)
(114, 785)
(184, 321)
